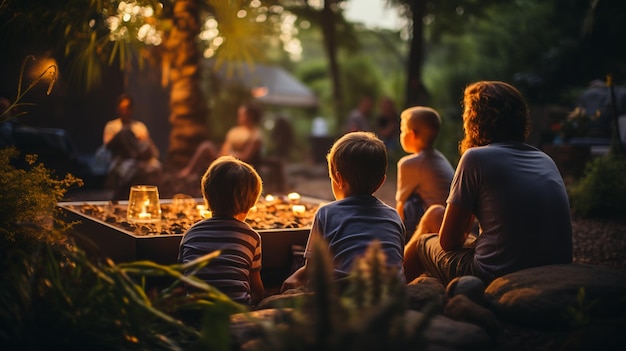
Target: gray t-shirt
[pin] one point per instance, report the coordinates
(427, 174)
(520, 201)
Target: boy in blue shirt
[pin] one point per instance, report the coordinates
(357, 164)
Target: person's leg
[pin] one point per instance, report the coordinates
(431, 220)
(205, 151)
(413, 213)
(430, 223)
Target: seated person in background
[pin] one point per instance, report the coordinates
(357, 163)
(134, 157)
(425, 175)
(358, 118)
(243, 141)
(387, 124)
(514, 190)
(230, 187)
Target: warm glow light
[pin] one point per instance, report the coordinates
(298, 209)
(204, 213)
(293, 197)
(143, 204)
(259, 91)
(269, 198)
(39, 67)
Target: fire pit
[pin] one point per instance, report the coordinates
(282, 222)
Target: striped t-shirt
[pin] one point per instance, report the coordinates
(240, 247)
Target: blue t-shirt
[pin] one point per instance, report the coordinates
(351, 224)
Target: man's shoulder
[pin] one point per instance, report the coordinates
(113, 121)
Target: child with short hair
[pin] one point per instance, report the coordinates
(357, 164)
(230, 188)
(424, 176)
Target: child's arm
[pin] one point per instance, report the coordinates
(256, 287)
(295, 280)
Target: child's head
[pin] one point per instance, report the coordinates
(419, 128)
(361, 160)
(230, 186)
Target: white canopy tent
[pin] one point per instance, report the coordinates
(271, 85)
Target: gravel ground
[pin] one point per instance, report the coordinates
(600, 242)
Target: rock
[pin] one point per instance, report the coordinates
(246, 329)
(461, 308)
(548, 297)
(287, 299)
(467, 285)
(443, 333)
(423, 291)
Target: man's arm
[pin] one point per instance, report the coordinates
(456, 223)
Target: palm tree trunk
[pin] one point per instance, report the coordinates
(416, 93)
(188, 111)
(327, 20)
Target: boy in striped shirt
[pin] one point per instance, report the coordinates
(230, 187)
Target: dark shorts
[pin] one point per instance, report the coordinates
(445, 265)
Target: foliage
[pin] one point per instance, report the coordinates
(365, 311)
(601, 192)
(51, 70)
(29, 197)
(579, 314)
(62, 296)
(576, 124)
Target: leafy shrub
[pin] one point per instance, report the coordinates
(601, 192)
(364, 311)
(59, 296)
(29, 197)
(53, 293)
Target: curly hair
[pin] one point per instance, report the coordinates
(493, 112)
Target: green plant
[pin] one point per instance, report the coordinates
(601, 192)
(29, 197)
(49, 73)
(579, 315)
(62, 296)
(364, 311)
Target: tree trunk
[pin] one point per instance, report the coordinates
(416, 93)
(188, 111)
(327, 21)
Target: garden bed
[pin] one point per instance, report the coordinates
(104, 225)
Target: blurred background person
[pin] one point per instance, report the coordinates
(388, 124)
(134, 159)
